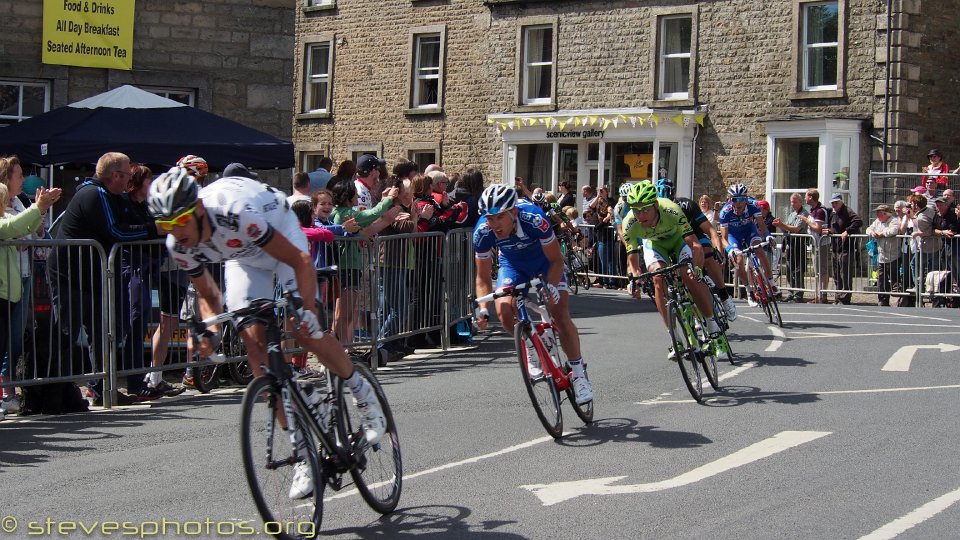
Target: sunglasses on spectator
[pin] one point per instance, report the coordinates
(178, 220)
(738, 199)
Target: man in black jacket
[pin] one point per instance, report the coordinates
(843, 222)
(76, 274)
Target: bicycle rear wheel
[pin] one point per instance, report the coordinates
(541, 388)
(270, 460)
(205, 378)
(572, 281)
(377, 469)
(708, 354)
(240, 372)
(684, 347)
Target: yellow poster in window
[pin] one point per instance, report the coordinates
(88, 33)
(639, 164)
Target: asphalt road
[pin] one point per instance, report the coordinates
(828, 428)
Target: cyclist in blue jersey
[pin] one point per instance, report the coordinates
(741, 225)
(527, 247)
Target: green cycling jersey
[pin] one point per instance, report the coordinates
(667, 235)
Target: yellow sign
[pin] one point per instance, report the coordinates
(89, 34)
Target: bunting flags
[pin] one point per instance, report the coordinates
(683, 119)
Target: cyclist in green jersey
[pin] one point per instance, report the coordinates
(660, 226)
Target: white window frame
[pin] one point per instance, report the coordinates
(526, 66)
(19, 117)
(421, 73)
(829, 132)
(807, 49)
(166, 91)
(311, 79)
(664, 57)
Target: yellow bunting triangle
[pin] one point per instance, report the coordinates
(700, 118)
(678, 120)
(562, 124)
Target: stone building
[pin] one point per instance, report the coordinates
(233, 58)
(779, 94)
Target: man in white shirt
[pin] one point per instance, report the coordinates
(368, 172)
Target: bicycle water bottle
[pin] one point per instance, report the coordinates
(318, 405)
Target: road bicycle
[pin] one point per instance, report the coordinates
(574, 264)
(762, 291)
(694, 350)
(284, 417)
(555, 374)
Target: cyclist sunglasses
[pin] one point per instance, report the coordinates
(178, 220)
(738, 199)
(643, 208)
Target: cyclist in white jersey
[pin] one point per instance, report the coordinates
(249, 225)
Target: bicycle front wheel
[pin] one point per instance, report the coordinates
(540, 386)
(572, 282)
(270, 461)
(685, 348)
(583, 410)
(377, 469)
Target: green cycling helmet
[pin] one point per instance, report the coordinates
(642, 193)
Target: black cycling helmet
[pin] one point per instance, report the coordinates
(172, 192)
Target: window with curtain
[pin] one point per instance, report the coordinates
(317, 76)
(820, 33)
(674, 65)
(537, 64)
(427, 70)
(22, 100)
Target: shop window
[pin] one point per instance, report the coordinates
(795, 170)
(423, 158)
(535, 165)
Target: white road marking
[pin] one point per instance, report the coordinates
(912, 519)
(736, 371)
(775, 344)
(854, 321)
(900, 360)
(721, 398)
(900, 314)
(558, 492)
(837, 335)
(446, 466)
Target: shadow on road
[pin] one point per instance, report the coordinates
(434, 521)
(733, 396)
(627, 430)
(39, 439)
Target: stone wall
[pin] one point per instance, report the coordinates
(745, 73)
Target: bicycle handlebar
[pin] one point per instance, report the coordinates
(513, 290)
(755, 247)
(201, 328)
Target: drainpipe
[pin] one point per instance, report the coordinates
(886, 92)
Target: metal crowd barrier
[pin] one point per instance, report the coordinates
(40, 349)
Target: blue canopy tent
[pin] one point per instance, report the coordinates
(146, 127)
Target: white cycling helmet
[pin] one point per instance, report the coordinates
(624, 189)
(497, 198)
(172, 192)
(737, 190)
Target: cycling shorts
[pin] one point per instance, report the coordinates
(508, 276)
(654, 253)
(747, 238)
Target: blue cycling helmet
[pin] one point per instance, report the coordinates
(664, 188)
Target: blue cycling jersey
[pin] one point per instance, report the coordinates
(739, 225)
(521, 250)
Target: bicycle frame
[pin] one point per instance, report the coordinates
(546, 322)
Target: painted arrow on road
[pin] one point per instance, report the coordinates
(900, 361)
(558, 492)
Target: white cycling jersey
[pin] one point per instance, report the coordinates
(244, 215)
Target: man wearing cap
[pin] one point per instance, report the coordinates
(368, 172)
(843, 222)
(884, 230)
(936, 166)
(946, 224)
